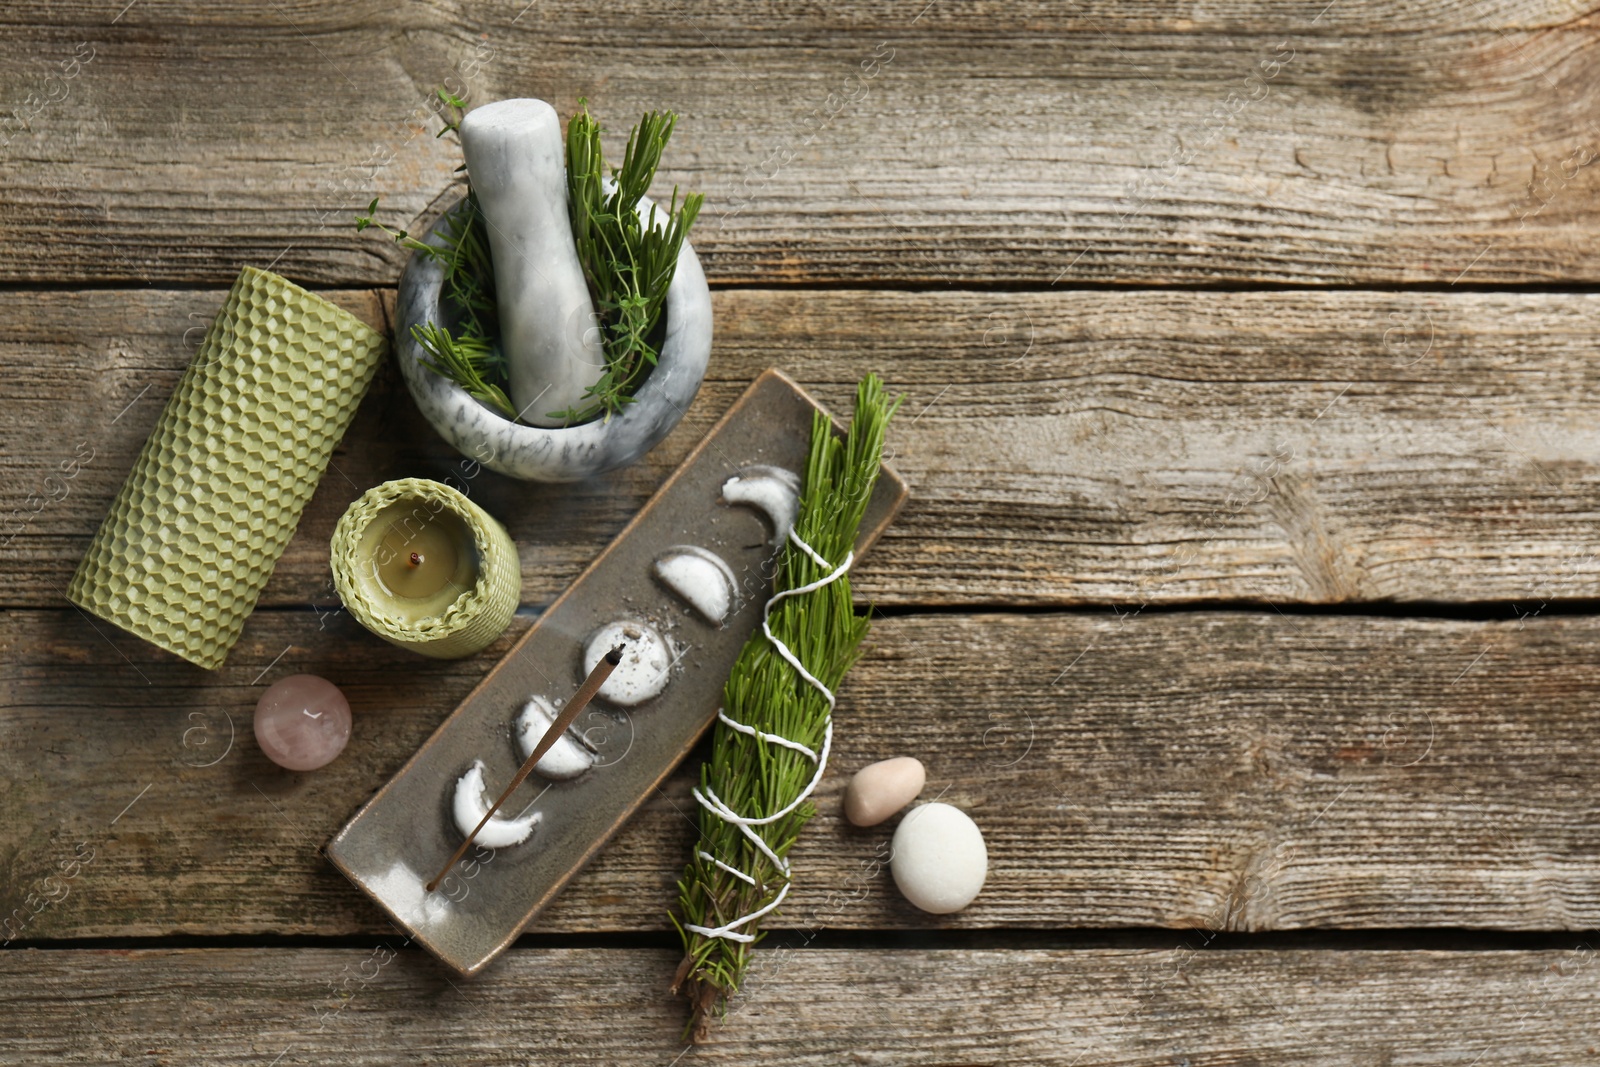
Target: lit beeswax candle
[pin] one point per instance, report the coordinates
(424, 561)
(424, 568)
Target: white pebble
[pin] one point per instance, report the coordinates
(645, 666)
(880, 789)
(567, 758)
(939, 859)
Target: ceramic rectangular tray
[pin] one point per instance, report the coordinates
(404, 834)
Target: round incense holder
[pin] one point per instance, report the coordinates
(426, 569)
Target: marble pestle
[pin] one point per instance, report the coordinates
(515, 157)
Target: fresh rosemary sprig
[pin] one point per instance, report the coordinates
(627, 262)
(752, 776)
(470, 356)
(465, 360)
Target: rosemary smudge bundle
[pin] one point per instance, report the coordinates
(753, 776)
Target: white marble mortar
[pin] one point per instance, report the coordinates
(559, 454)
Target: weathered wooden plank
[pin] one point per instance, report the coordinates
(1208, 770)
(1274, 141)
(1083, 1008)
(1062, 449)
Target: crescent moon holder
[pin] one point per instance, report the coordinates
(683, 628)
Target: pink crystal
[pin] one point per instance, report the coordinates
(302, 722)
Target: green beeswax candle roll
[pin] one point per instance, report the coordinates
(424, 568)
(217, 492)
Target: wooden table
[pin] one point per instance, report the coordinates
(1246, 596)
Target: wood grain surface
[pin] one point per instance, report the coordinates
(1232, 770)
(1270, 323)
(1063, 449)
(1086, 1008)
(910, 143)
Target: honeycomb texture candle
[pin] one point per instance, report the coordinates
(217, 492)
(470, 610)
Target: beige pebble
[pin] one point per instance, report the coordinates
(883, 788)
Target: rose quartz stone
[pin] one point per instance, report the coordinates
(302, 722)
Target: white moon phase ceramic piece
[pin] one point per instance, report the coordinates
(469, 808)
(701, 578)
(567, 758)
(646, 661)
(773, 491)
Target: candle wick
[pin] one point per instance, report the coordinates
(416, 559)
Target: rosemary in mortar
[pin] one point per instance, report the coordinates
(627, 262)
(757, 778)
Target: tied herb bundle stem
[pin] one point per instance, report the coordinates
(752, 776)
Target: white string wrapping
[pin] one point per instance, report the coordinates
(713, 803)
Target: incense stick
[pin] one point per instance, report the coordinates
(580, 700)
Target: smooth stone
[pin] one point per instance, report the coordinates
(302, 722)
(880, 789)
(558, 454)
(939, 859)
(515, 156)
(646, 661)
(567, 758)
(701, 579)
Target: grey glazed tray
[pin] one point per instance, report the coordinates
(404, 834)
